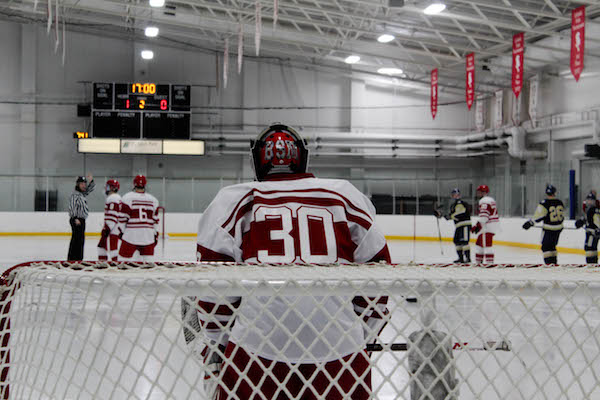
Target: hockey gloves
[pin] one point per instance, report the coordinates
(477, 228)
(528, 224)
(437, 213)
(105, 232)
(579, 223)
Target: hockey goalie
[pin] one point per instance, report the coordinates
(288, 216)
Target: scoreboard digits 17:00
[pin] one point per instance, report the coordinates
(141, 110)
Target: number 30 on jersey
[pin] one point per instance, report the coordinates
(307, 217)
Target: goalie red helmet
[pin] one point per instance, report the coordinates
(140, 182)
(112, 185)
(483, 189)
(279, 149)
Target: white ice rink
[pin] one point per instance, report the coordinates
(500, 368)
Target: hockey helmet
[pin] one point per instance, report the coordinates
(591, 196)
(483, 189)
(279, 149)
(140, 182)
(80, 179)
(455, 191)
(550, 190)
(112, 185)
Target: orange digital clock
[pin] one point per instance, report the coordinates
(143, 88)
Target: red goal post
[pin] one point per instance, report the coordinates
(122, 330)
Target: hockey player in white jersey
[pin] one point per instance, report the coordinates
(139, 211)
(487, 226)
(108, 247)
(289, 216)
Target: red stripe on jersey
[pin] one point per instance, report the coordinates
(142, 203)
(323, 202)
(269, 192)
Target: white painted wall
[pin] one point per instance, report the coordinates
(391, 225)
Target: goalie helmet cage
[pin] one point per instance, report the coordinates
(124, 330)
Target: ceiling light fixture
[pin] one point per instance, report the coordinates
(157, 3)
(352, 59)
(385, 38)
(390, 71)
(434, 8)
(147, 54)
(151, 31)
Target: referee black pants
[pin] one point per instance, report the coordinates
(77, 240)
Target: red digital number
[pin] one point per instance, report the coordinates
(127, 103)
(163, 104)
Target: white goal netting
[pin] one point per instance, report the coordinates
(225, 331)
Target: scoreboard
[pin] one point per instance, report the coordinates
(141, 111)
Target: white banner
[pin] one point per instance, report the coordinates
(499, 111)
(533, 98)
(480, 114)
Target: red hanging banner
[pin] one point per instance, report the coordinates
(517, 67)
(470, 87)
(434, 92)
(577, 41)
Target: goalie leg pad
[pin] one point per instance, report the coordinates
(431, 366)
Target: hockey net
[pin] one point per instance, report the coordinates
(138, 331)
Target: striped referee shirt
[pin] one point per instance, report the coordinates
(78, 207)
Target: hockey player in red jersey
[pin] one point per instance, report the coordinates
(289, 216)
(108, 247)
(139, 211)
(487, 226)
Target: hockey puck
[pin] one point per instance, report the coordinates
(411, 299)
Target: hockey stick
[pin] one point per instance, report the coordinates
(440, 235)
(565, 228)
(437, 220)
(503, 345)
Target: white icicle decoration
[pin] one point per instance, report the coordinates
(225, 63)
(275, 13)
(240, 47)
(258, 16)
(49, 25)
(64, 47)
(56, 28)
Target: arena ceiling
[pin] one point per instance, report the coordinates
(323, 33)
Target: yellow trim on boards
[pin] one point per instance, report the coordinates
(566, 250)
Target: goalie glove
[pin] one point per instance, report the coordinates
(528, 224)
(477, 228)
(579, 223)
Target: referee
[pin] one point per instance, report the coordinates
(78, 212)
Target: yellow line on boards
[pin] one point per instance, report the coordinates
(566, 250)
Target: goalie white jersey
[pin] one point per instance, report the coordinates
(139, 218)
(291, 219)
